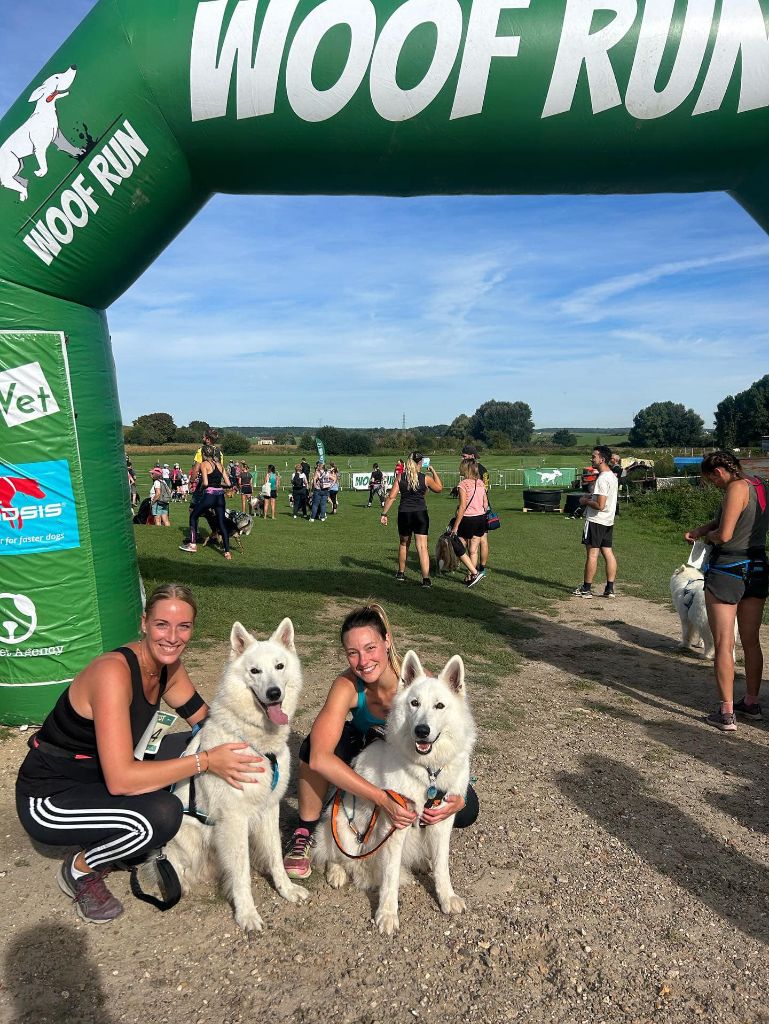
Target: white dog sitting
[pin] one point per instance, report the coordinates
(430, 735)
(38, 132)
(687, 588)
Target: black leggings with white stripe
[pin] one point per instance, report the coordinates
(109, 828)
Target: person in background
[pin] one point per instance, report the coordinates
(413, 519)
(471, 523)
(736, 582)
(376, 485)
(246, 485)
(321, 485)
(399, 467)
(469, 452)
(160, 496)
(333, 491)
(306, 470)
(213, 481)
(272, 478)
(299, 487)
(600, 508)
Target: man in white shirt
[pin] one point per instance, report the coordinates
(600, 509)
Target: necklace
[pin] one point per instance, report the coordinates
(152, 675)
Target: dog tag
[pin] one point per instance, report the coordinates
(432, 792)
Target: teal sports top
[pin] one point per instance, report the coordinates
(362, 718)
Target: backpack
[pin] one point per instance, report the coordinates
(297, 482)
(144, 515)
(165, 493)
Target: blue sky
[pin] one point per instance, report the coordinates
(356, 311)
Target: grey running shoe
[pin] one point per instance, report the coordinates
(400, 576)
(608, 593)
(93, 900)
(722, 720)
(581, 591)
(748, 710)
(297, 858)
(188, 547)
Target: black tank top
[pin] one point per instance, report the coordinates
(66, 729)
(215, 478)
(413, 500)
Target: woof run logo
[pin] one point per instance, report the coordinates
(25, 395)
(112, 162)
(18, 622)
(37, 508)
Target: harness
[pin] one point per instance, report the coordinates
(194, 811)
(688, 594)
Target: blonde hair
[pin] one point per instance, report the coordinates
(468, 469)
(171, 592)
(373, 616)
(412, 472)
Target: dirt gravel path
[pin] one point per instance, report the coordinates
(619, 872)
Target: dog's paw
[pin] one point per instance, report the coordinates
(248, 920)
(387, 922)
(295, 893)
(454, 905)
(336, 876)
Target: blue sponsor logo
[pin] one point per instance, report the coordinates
(37, 508)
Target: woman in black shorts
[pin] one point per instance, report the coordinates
(246, 486)
(736, 581)
(81, 784)
(471, 522)
(413, 520)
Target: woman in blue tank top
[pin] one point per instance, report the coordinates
(365, 691)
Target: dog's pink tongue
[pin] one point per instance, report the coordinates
(276, 714)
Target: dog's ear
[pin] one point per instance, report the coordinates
(240, 639)
(284, 634)
(453, 675)
(411, 669)
(37, 94)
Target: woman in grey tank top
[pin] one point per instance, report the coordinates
(736, 582)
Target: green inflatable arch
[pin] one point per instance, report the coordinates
(153, 105)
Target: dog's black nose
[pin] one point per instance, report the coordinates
(274, 693)
(422, 731)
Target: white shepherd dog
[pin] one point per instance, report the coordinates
(430, 735)
(256, 698)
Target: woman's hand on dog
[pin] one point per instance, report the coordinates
(452, 803)
(234, 767)
(400, 817)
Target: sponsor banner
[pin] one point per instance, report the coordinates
(47, 591)
(37, 508)
(360, 481)
(321, 449)
(563, 477)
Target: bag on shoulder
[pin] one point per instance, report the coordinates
(492, 519)
(165, 493)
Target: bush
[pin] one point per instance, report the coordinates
(677, 507)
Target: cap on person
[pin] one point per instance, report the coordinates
(156, 471)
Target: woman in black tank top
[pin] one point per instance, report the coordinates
(210, 497)
(413, 521)
(736, 582)
(81, 782)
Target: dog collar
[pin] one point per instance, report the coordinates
(432, 790)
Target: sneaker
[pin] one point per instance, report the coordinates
(294, 517)
(297, 858)
(582, 592)
(93, 900)
(723, 721)
(426, 581)
(400, 577)
(608, 593)
(323, 518)
(472, 580)
(369, 505)
(188, 547)
(482, 571)
(748, 710)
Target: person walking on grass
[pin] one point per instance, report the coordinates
(272, 479)
(469, 452)
(412, 485)
(736, 582)
(470, 525)
(600, 508)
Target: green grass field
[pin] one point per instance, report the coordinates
(314, 572)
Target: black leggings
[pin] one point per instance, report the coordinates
(109, 828)
(209, 500)
(352, 742)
